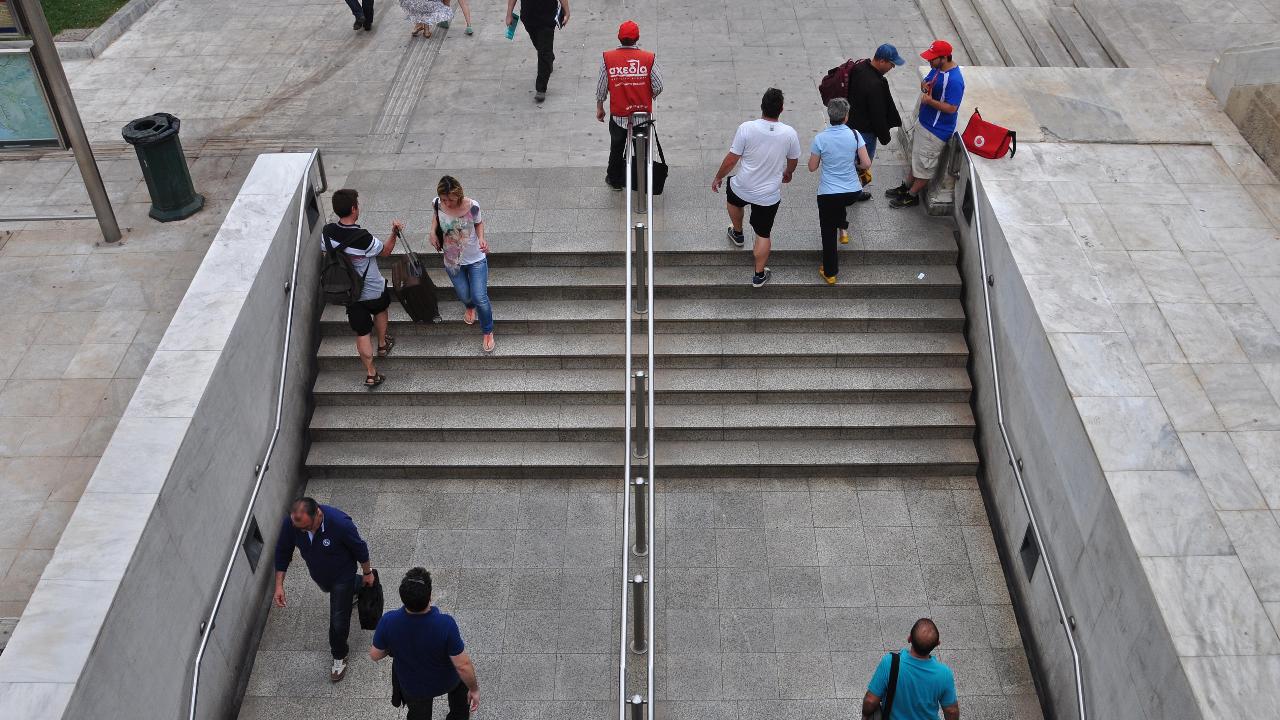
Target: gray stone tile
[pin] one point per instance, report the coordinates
(891, 546)
(527, 677)
(950, 584)
(1169, 277)
(1202, 333)
(1253, 330)
(793, 587)
(1227, 206)
(1261, 454)
(1071, 304)
(804, 675)
(1256, 537)
(1131, 434)
(692, 630)
(980, 546)
(838, 509)
(691, 547)
(1092, 227)
(747, 631)
(1139, 226)
(788, 509)
(740, 548)
(739, 509)
(800, 630)
(1002, 626)
(1186, 588)
(852, 629)
(884, 507)
(1168, 513)
(689, 588)
(1239, 686)
(749, 676)
(744, 588)
(1100, 364)
(1222, 471)
(791, 547)
(1183, 398)
(589, 631)
(1152, 339)
(1118, 276)
(931, 507)
(584, 676)
(897, 585)
(693, 676)
(1239, 396)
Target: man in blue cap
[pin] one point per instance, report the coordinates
(872, 112)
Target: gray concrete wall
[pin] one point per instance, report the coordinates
(1131, 668)
(113, 627)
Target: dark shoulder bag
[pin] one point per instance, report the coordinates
(659, 179)
(439, 243)
(887, 706)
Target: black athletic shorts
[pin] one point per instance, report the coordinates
(762, 216)
(360, 314)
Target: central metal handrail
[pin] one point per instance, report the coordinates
(637, 592)
(206, 627)
(1068, 623)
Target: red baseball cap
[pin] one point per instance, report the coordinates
(939, 48)
(628, 31)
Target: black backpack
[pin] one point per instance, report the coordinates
(836, 82)
(339, 282)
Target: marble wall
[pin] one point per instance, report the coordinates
(113, 626)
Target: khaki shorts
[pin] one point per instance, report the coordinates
(924, 148)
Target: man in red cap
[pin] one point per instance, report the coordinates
(630, 78)
(940, 96)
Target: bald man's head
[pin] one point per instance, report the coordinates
(924, 637)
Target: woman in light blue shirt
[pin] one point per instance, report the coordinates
(840, 152)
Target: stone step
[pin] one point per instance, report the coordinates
(1080, 41)
(1033, 20)
(1005, 33)
(973, 33)
(1106, 21)
(716, 281)
(743, 458)
(750, 315)
(941, 26)
(595, 423)
(870, 247)
(671, 350)
(684, 386)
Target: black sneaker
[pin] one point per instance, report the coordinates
(898, 191)
(368, 25)
(760, 278)
(358, 24)
(736, 238)
(905, 200)
(862, 196)
(614, 186)
(539, 96)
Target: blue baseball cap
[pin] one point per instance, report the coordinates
(889, 52)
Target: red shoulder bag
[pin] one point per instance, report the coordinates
(988, 139)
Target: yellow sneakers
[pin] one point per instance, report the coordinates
(844, 236)
(831, 279)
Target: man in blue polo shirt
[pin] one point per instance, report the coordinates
(940, 96)
(924, 684)
(430, 659)
(331, 546)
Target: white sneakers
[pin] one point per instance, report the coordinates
(339, 671)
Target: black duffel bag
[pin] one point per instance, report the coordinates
(369, 603)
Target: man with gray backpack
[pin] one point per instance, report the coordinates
(911, 684)
(349, 276)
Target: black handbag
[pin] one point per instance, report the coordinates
(369, 603)
(659, 164)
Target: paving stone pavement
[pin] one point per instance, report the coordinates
(266, 79)
(773, 596)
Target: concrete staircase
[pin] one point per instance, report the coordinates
(1017, 33)
(794, 379)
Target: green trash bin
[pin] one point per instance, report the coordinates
(155, 139)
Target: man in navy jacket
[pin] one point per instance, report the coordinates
(331, 546)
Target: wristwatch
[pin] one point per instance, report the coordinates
(366, 574)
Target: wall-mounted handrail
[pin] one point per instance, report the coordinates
(638, 404)
(1068, 622)
(206, 628)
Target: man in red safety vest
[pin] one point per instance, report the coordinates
(629, 77)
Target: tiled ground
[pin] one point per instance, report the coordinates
(770, 595)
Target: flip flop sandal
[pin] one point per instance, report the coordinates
(373, 381)
(385, 350)
(469, 317)
(492, 344)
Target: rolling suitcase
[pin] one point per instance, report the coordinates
(414, 288)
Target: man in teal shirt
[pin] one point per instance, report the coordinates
(924, 683)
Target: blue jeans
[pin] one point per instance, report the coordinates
(471, 283)
(341, 598)
(870, 140)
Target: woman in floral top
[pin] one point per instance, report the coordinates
(458, 230)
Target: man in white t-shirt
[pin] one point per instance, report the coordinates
(766, 152)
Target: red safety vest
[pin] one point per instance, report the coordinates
(628, 72)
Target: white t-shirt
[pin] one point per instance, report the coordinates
(765, 147)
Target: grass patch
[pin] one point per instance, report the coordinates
(65, 14)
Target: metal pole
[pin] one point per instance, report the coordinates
(642, 518)
(639, 641)
(46, 55)
(637, 707)
(640, 447)
(640, 133)
(641, 265)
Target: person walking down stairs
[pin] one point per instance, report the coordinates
(457, 229)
